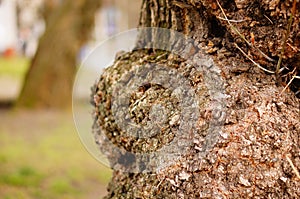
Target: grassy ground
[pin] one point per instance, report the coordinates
(41, 157)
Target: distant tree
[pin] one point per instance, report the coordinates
(49, 80)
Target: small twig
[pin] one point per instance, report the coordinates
(297, 77)
(160, 182)
(139, 100)
(231, 20)
(268, 19)
(242, 36)
(263, 54)
(293, 167)
(293, 47)
(290, 73)
(287, 85)
(284, 43)
(256, 64)
(231, 26)
(181, 4)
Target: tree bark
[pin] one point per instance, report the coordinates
(256, 153)
(49, 80)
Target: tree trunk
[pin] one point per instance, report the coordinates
(49, 80)
(253, 150)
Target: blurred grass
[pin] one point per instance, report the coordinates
(41, 157)
(14, 67)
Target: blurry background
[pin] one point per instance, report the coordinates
(42, 43)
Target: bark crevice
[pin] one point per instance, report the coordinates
(261, 128)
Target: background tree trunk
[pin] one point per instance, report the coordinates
(49, 80)
(257, 150)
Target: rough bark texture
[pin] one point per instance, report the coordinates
(257, 150)
(49, 80)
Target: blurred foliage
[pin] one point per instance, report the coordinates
(15, 66)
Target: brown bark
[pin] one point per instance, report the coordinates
(49, 80)
(257, 149)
